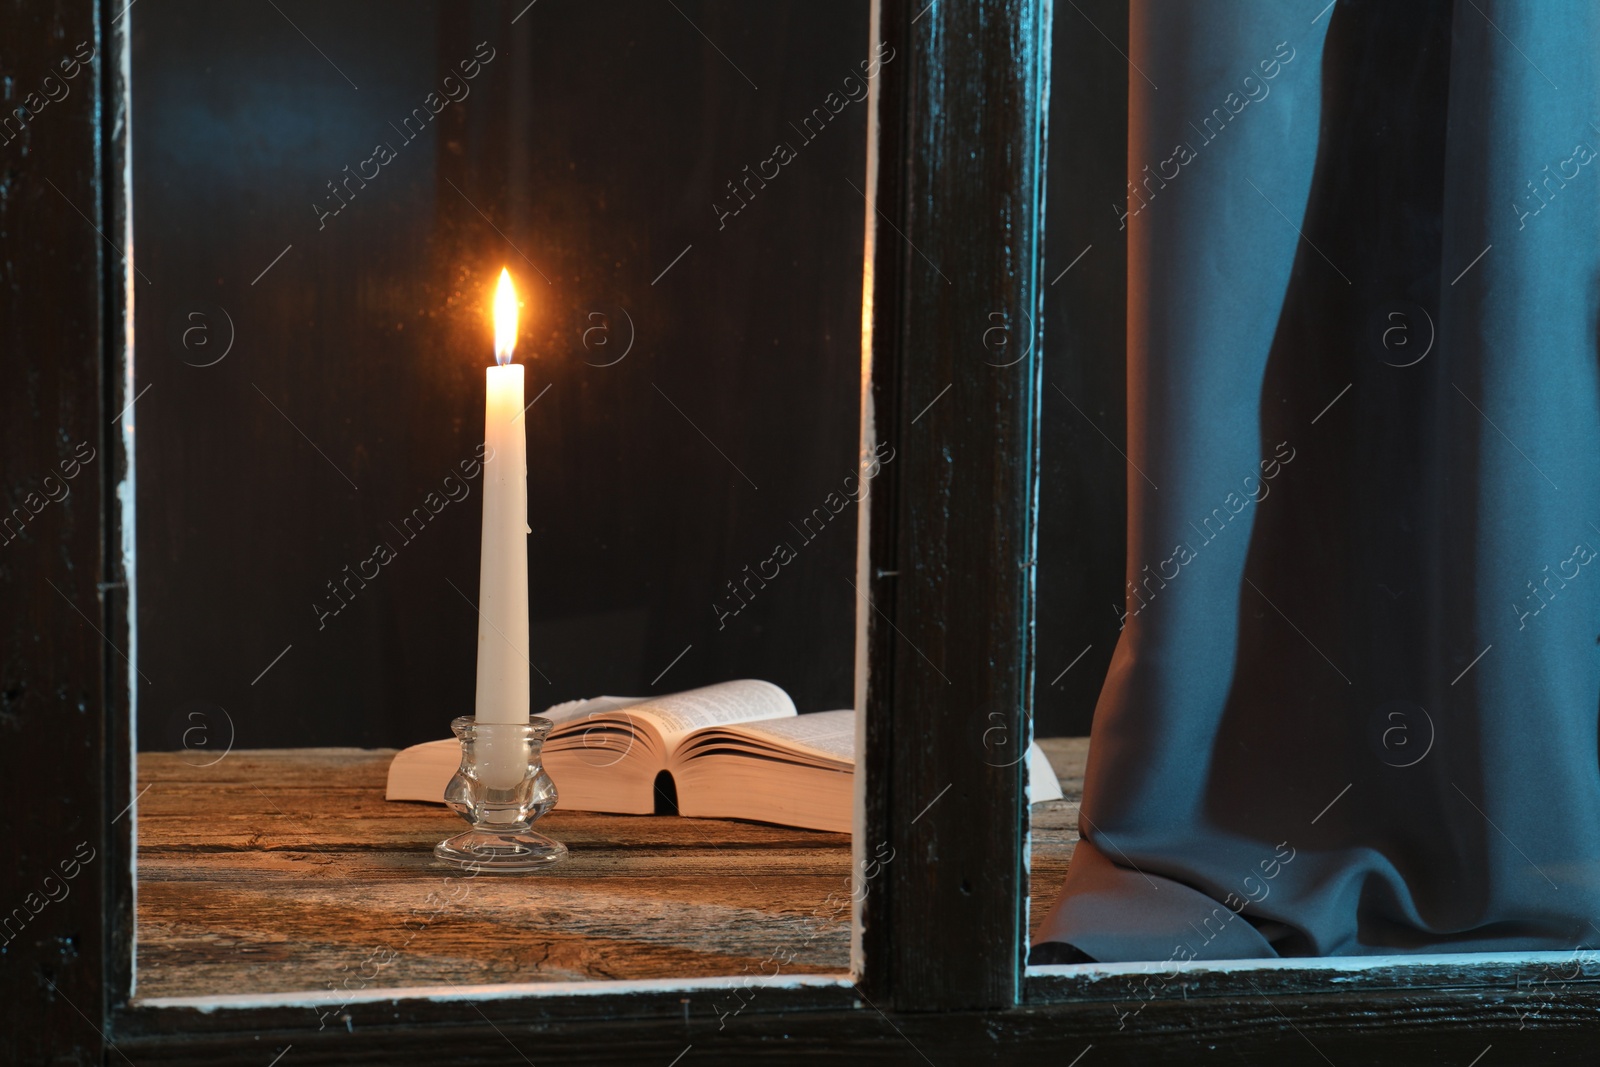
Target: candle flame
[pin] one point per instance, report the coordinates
(505, 319)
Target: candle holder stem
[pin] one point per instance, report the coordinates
(501, 789)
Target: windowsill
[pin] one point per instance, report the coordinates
(281, 871)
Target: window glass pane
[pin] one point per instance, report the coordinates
(325, 198)
(1342, 638)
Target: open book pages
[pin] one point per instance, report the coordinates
(681, 713)
(797, 771)
(1043, 784)
(733, 750)
(604, 754)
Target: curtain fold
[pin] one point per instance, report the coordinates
(1354, 703)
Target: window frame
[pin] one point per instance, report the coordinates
(939, 967)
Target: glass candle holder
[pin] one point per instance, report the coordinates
(501, 789)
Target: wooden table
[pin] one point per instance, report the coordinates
(285, 870)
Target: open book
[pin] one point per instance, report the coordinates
(735, 750)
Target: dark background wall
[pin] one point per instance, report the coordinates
(1082, 481)
(587, 158)
(587, 154)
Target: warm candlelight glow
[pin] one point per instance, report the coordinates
(505, 318)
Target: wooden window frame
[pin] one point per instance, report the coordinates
(954, 255)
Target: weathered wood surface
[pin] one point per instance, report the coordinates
(957, 298)
(280, 870)
(286, 869)
(1055, 825)
(63, 627)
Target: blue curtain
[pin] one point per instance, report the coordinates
(1354, 704)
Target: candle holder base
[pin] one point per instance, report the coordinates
(494, 851)
(501, 789)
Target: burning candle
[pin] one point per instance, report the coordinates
(503, 688)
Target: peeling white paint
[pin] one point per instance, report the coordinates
(126, 519)
(1337, 968)
(868, 447)
(507, 991)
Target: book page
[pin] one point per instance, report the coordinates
(1042, 781)
(714, 705)
(594, 707)
(599, 734)
(830, 735)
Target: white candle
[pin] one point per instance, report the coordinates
(503, 688)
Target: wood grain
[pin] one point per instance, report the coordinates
(284, 870)
(1400, 1028)
(1055, 825)
(280, 870)
(956, 308)
(61, 679)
